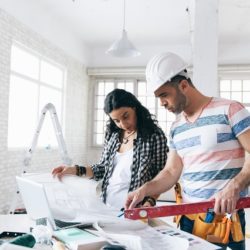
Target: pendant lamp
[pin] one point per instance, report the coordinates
(123, 47)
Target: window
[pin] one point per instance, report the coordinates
(139, 89)
(236, 87)
(34, 82)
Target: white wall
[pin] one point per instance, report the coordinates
(99, 58)
(75, 107)
(47, 26)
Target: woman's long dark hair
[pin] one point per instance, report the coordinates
(119, 98)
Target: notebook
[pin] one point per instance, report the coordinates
(37, 205)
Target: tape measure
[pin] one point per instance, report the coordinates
(178, 209)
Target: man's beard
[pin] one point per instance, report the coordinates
(181, 102)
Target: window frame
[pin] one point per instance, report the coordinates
(116, 79)
(39, 83)
(234, 72)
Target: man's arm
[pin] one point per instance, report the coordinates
(225, 201)
(161, 183)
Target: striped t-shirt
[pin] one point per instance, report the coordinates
(209, 149)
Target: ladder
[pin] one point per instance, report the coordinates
(60, 140)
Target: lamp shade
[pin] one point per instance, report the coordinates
(123, 47)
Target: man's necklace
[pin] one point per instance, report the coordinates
(125, 140)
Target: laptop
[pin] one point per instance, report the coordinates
(37, 204)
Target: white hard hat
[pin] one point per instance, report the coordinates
(162, 68)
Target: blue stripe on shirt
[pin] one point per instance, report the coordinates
(224, 137)
(200, 193)
(240, 126)
(202, 121)
(212, 175)
(187, 143)
(207, 193)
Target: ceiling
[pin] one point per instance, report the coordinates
(97, 23)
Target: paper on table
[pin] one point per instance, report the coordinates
(195, 243)
(148, 239)
(132, 242)
(12, 247)
(76, 195)
(15, 223)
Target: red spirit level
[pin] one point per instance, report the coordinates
(178, 209)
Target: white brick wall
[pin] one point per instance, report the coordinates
(75, 107)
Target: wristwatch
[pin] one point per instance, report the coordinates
(80, 170)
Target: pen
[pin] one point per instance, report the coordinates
(121, 214)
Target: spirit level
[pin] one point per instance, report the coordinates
(178, 209)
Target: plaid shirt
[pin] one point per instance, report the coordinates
(149, 158)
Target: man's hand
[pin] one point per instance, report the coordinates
(63, 170)
(226, 200)
(135, 197)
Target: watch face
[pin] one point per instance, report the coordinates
(82, 171)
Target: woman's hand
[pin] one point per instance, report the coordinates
(60, 171)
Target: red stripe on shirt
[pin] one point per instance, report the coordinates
(214, 156)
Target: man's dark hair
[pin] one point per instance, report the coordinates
(119, 98)
(178, 78)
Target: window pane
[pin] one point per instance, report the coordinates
(24, 63)
(246, 97)
(101, 88)
(246, 85)
(109, 86)
(121, 85)
(237, 96)
(99, 126)
(162, 114)
(225, 95)
(225, 85)
(51, 75)
(151, 102)
(22, 112)
(100, 102)
(236, 85)
(99, 139)
(142, 88)
(100, 114)
(27, 97)
(143, 100)
(130, 87)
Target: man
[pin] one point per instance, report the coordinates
(208, 141)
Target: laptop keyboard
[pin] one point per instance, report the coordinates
(63, 224)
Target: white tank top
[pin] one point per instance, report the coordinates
(119, 182)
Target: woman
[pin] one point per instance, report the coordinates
(135, 150)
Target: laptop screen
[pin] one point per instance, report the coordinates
(35, 200)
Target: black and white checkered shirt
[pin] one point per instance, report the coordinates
(149, 158)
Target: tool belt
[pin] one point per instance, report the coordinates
(218, 230)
